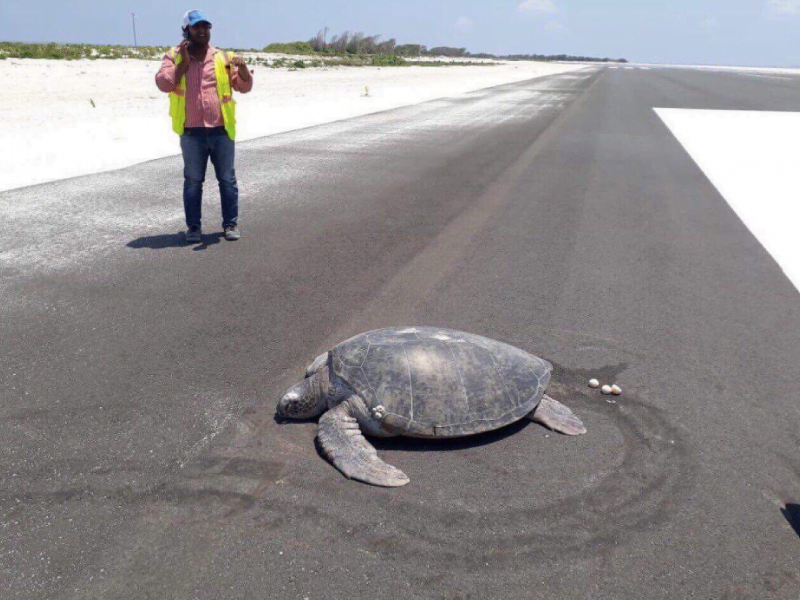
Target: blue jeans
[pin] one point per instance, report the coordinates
(198, 144)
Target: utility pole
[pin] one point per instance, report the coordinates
(133, 20)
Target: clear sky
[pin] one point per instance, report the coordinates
(740, 32)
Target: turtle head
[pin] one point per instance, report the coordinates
(303, 400)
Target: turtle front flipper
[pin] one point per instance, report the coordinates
(341, 440)
(319, 363)
(556, 416)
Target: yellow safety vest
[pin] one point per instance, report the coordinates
(177, 97)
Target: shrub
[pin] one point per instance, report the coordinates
(388, 60)
(77, 51)
(447, 51)
(289, 48)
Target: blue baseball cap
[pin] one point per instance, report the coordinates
(193, 17)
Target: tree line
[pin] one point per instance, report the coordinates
(361, 44)
(353, 43)
(554, 57)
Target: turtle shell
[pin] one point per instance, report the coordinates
(428, 382)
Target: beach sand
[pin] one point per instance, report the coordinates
(70, 118)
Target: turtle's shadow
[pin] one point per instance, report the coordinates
(287, 421)
(448, 444)
(410, 444)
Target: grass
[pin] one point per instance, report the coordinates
(55, 51)
(290, 48)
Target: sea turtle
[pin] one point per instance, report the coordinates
(419, 382)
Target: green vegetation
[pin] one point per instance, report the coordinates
(351, 43)
(388, 60)
(357, 50)
(327, 59)
(447, 51)
(559, 58)
(409, 50)
(78, 51)
(378, 60)
(289, 48)
(344, 50)
(359, 44)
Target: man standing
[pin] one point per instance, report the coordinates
(199, 79)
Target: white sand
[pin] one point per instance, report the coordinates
(49, 129)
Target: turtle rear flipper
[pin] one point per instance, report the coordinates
(344, 445)
(556, 416)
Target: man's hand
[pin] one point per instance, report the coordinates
(183, 66)
(183, 48)
(241, 66)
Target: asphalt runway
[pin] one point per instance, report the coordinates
(139, 456)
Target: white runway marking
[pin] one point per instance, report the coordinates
(770, 76)
(751, 157)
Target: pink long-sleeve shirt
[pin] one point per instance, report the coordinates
(202, 100)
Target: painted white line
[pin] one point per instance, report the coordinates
(751, 158)
(770, 76)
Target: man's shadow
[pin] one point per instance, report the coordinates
(174, 240)
(792, 514)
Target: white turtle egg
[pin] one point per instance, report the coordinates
(616, 390)
(606, 389)
(593, 383)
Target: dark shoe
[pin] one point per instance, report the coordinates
(193, 235)
(232, 233)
